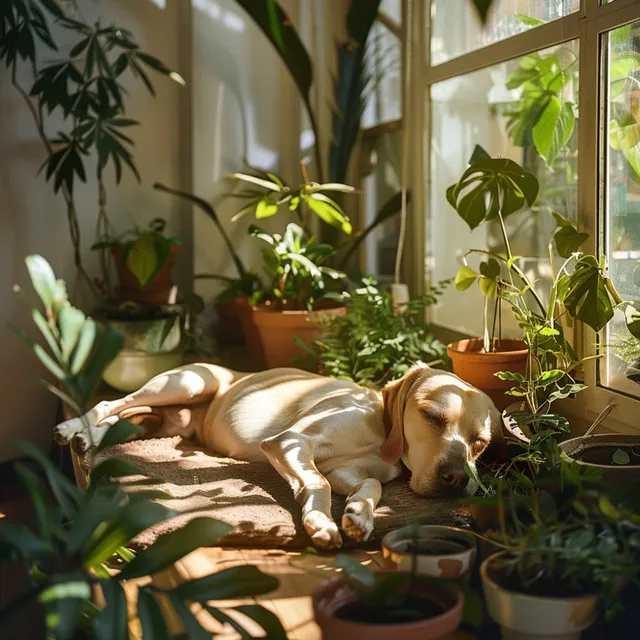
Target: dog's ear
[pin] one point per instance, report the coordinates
(394, 399)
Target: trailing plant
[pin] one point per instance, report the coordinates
(295, 266)
(374, 343)
(67, 552)
(492, 189)
(85, 87)
(145, 252)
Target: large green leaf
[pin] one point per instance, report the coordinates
(587, 298)
(119, 432)
(71, 322)
(237, 582)
(153, 623)
(465, 277)
(111, 622)
(621, 68)
(192, 627)
(142, 259)
(490, 186)
(43, 279)
(554, 128)
(329, 211)
(201, 532)
(567, 238)
(632, 317)
(482, 8)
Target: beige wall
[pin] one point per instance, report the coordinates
(32, 220)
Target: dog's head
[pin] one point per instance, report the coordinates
(435, 423)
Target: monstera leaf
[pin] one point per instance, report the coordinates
(588, 298)
(567, 238)
(491, 186)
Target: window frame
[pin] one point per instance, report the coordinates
(588, 25)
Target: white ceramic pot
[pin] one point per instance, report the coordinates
(131, 368)
(525, 617)
(451, 551)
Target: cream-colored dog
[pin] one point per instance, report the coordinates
(320, 434)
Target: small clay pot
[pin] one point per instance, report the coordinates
(334, 595)
(440, 551)
(278, 328)
(255, 351)
(477, 367)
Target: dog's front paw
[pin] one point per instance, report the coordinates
(357, 522)
(65, 432)
(322, 530)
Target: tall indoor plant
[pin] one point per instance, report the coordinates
(492, 189)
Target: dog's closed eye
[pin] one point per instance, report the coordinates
(435, 416)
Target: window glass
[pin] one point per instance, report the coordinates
(381, 182)
(456, 29)
(384, 89)
(622, 201)
(503, 109)
(393, 8)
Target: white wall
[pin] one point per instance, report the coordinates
(32, 220)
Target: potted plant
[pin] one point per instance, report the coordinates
(372, 343)
(539, 368)
(75, 552)
(299, 296)
(143, 306)
(565, 554)
(362, 603)
(439, 551)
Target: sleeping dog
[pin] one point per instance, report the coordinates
(320, 434)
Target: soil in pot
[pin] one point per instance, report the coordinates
(411, 610)
(478, 367)
(621, 456)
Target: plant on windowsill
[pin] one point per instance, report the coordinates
(541, 371)
(76, 547)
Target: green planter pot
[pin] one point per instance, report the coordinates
(150, 347)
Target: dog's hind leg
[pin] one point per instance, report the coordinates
(184, 386)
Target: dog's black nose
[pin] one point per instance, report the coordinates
(453, 477)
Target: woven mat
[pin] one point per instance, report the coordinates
(251, 496)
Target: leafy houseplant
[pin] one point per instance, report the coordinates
(299, 296)
(363, 603)
(492, 189)
(68, 551)
(86, 89)
(568, 544)
(372, 344)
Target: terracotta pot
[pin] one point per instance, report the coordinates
(592, 451)
(525, 617)
(451, 554)
(477, 367)
(278, 328)
(229, 328)
(255, 351)
(156, 293)
(335, 594)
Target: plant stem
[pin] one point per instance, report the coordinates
(102, 231)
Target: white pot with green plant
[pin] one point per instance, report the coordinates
(540, 370)
(568, 547)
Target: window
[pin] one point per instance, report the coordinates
(456, 29)
(622, 203)
(479, 86)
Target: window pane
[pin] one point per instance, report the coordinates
(494, 108)
(456, 28)
(393, 8)
(381, 182)
(622, 214)
(384, 90)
